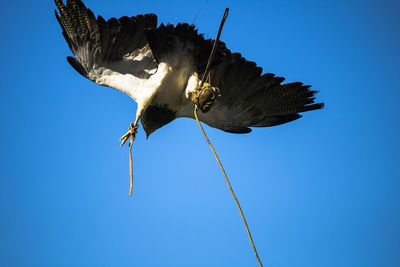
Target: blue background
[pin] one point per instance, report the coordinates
(320, 191)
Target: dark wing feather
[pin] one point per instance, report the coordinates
(249, 99)
(113, 44)
(166, 42)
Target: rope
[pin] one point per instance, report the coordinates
(210, 59)
(131, 135)
(207, 74)
(130, 167)
(229, 185)
(133, 130)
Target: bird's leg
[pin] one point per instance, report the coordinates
(131, 133)
(204, 97)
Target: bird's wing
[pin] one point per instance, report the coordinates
(181, 46)
(250, 99)
(112, 53)
(185, 52)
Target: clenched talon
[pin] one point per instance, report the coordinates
(205, 97)
(130, 134)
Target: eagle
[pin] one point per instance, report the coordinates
(160, 67)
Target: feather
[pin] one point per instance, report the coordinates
(154, 64)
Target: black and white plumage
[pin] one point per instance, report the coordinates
(159, 67)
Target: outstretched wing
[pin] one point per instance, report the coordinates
(186, 52)
(112, 53)
(181, 46)
(250, 99)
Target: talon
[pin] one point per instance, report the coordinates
(123, 141)
(125, 136)
(205, 97)
(131, 134)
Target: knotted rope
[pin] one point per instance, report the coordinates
(131, 135)
(202, 86)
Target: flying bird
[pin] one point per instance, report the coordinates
(160, 67)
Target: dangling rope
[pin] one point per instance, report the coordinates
(229, 185)
(207, 74)
(131, 135)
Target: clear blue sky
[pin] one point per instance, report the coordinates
(320, 191)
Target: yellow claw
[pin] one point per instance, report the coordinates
(131, 134)
(123, 141)
(125, 135)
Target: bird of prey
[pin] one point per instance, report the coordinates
(160, 67)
